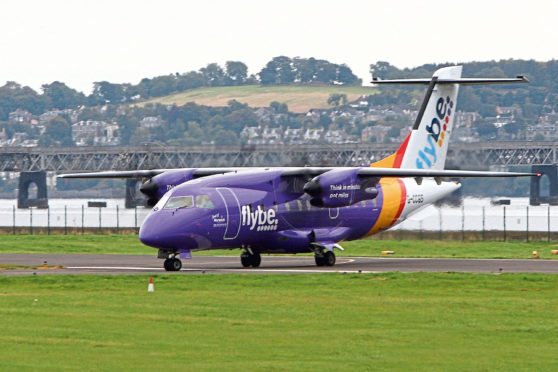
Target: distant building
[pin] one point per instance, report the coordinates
(151, 122)
(71, 114)
(313, 134)
(92, 132)
(545, 132)
(20, 116)
(376, 133)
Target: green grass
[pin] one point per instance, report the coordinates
(299, 99)
(130, 244)
(325, 322)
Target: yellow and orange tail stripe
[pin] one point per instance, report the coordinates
(394, 198)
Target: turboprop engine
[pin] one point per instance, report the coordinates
(157, 186)
(340, 188)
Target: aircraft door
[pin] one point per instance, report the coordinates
(232, 207)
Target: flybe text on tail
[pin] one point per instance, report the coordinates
(437, 130)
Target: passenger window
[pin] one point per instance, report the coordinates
(203, 201)
(180, 202)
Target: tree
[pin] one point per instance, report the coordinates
(236, 72)
(106, 92)
(345, 76)
(213, 75)
(336, 99)
(57, 132)
(280, 108)
(61, 96)
(279, 70)
(226, 137)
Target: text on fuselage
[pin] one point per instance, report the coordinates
(260, 220)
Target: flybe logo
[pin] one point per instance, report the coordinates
(436, 133)
(259, 219)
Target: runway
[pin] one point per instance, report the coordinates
(130, 264)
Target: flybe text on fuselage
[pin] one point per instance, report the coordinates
(259, 219)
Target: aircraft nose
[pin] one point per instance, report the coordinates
(163, 230)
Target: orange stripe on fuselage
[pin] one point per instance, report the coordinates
(394, 198)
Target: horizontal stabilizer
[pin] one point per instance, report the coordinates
(461, 81)
(402, 172)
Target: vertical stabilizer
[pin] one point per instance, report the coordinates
(428, 141)
(427, 144)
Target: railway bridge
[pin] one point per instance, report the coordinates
(541, 156)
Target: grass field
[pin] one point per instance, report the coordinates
(325, 322)
(299, 99)
(130, 244)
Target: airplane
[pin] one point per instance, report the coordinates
(306, 209)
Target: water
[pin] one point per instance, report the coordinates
(74, 213)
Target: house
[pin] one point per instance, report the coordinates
(92, 132)
(545, 132)
(151, 122)
(273, 135)
(49, 115)
(313, 134)
(20, 116)
(293, 135)
(375, 133)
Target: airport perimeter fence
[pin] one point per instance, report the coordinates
(445, 223)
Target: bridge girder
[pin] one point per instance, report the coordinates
(478, 155)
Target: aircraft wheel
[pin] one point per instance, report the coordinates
(172, 264)
(256, 260)
(245, 260)
(250, 260)
(329, 258)
(320, 260)
(166, 265)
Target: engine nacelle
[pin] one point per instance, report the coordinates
(340, 188)
(157, 186)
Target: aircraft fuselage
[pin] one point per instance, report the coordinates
(268, 213)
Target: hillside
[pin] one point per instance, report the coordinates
(298, 98)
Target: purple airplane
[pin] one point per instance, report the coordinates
(302, 209)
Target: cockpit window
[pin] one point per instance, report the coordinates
(203, 201)
(180, 202)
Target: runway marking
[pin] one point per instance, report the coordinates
(121, 268)
(302, 271)
(223, 270)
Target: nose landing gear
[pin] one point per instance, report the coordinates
(172, 264)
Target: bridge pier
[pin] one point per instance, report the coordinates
(26, 179)
(550, 171)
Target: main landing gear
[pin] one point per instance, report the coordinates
(326, 258)
(250, 259)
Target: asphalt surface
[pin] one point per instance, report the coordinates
(128, 264)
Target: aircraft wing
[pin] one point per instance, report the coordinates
(199, 172)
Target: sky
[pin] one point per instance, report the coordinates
(79, 42)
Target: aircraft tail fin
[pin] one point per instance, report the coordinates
(427, 145)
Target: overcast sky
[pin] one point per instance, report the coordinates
(79, 41)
